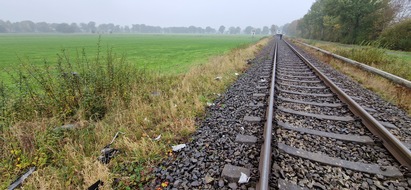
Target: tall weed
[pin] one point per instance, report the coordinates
(75, 87)
(367, 53)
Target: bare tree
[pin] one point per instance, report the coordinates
(402, 9)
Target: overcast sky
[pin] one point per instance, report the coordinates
(202, 13)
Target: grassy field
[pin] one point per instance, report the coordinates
(109, 94)
(166, 53)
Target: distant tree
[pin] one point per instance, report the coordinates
(43, 27)
(3, 27)
(210, 30)
(258, 31)
(221, 29)
(192, 29)
(232, 30)
(398, 36)
(248, 30)
(92, 27)
(402, 9)
(291, 28)
(65, 28)
(265, 31)
(27, 26)
(273, 29)
(127, 29)
(75, 27)
(238, 30)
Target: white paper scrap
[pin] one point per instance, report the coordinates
(158, 137)
(178, 147)
(243, 178)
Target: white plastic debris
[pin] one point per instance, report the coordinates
(178, 147)
(210, 104)
(242, 128)
(236, 74)
(218, 78)
(158, 138)
(243, 178)
(263, 80)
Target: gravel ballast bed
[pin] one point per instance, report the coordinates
(200, 164)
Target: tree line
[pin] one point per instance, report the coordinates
(91, 27)
(355, 22)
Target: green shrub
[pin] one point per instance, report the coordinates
(398, 36)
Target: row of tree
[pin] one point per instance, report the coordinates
(91, 27)
(351, 21)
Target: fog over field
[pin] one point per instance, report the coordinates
(163, 13)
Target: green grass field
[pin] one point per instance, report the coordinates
(165, 53)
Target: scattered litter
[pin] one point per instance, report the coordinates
(175, 105)
(243, 178)
(178, 147)
(164, 184)
(157, 138)
(242, 128)
(218, 78)
(67, 127)
(236, 74)
(108, 153)
(263, 80)
(21, 179)
(146, 120)
(210, 104)
(96, 185)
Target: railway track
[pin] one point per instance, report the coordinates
(322, 138)
(290, 129)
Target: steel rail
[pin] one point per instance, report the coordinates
(393, 145)
(265, 156)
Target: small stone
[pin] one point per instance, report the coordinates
(193, 160)
(194, 184)
(208, 179)
(236, 153)
(364, 185)
(221, 183)
(233, 186)
(177, 183)
(233, 173)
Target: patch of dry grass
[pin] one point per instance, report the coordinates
(158, 104)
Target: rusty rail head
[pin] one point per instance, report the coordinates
(265, 156)
(393, 145)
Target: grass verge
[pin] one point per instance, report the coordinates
(102, 96)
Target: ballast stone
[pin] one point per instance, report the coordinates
(233, 173)
(245, 139)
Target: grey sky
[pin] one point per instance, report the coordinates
(202, 13)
